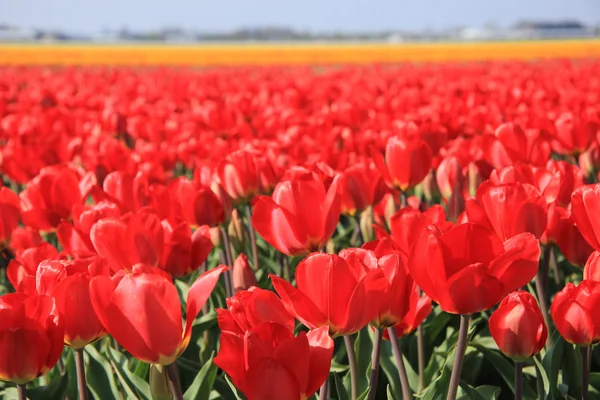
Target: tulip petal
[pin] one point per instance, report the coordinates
(519, 263)
(574, 323)
(109, 237)
(278, 227)
(298, 304)
(321, 352)
(281, 383)
(471, 290)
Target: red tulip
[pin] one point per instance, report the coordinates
(361, 187)
(239, 176)
(199, 206)
(129, 191)
(27, 261)
(573, 136)
(242, 274)
(469, 269)
(408, 223)
(341, 294)
(508, 209)
(592, 267)
(407, 162)
(10, 210)
(449, 177)
(184, 251)
(396, 297)
(300, 217)
(511, 145)
(419, 308)
(142, 311)
(49, 197)
(571, 178)
(33, 329)
(75, 237)
(24, 238)
(569, 240)
(585, 211)
(296, 366)
(518, 327)
(574, 312)
(548, 183)
(69, 283)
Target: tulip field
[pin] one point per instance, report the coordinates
(359, 232)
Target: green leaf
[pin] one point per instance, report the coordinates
(470, 393)
(438, 389)
(363, 346)
(99, 375)
(541, 372)
(505, 369)
(56, 389)
(233, 388)
(342, 394)
(71, 369)
(388, 365)
(203, 383)
(390, 395)
(571, 369)
(134, 386)
(364, 394)
(552, 362)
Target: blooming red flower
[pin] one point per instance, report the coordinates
(343, 294)
(238, 174)
(300, 217)
(585, 211)
(406, 164)
(518, 327)
(31, 336)
(198, 206)
(10, 210)
(27, 261)
(419, 308)
(361, 187)
(574, 312)
(469, 269)
(142, 311)
(591, 270)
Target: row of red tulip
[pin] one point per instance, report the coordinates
(132, 181)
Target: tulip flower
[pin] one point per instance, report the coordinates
(49, 197)
(449, 177)
(141, 310)
(574, 312)
(508, 209)
(573, 135)
(32, 328)
(27, 261)
(468, 268)
(419, 308)
(296, 366)
(569, 239)
(407, 162)
(127, 190)
(198, 206)
(10, 210)
(361, 187)
(24, 238)
(243, 277)
(300, 217)
(591, 270)
(239, 176)
(549, 182)
(331, 291)
(518, 327)
(184, 251)
(585, 207)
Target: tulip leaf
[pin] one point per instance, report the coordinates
(364, 394)
(203, 383)
(390, 395)
(388, 365)
(541, 372)
(470, 393)
(552, 362)
(342, 393)
(505, 369)
(438, 389)
(571, 369)
(233, 388)
(134, 386)
(55, 389)
(71, 369)
(99, 375)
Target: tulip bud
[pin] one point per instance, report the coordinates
(237, 231)
(160, 389)
(429, 188)
(518, 327)
(243, 276)
(215, 236)
(366, 224)
(390, 207)
(449, 177)
(474, 178)
(575, 312)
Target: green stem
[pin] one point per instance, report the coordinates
(353, 366)
(80, 366)
(459, 357)
(397, 350)
(518, 381)
(173, 374)
(21, 392)
(541, 285)
(421, 356)
(360, 239)
(375, 364)
(228, 261)
(252, 236)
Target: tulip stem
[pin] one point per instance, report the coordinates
(586, 353)
(252, 236)
(421, 356)
(80, 366)
(360, 238)
(375, 364)
(228, 261)
(518, 380)
(403, 199)
(541, 284)
(21, 392)
(459, 357)
(398, 356)
(173, 375)
(323, 393)
(353, 366)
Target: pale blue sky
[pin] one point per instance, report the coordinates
(88, 16)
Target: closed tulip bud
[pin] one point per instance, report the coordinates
(518, 327)
(215, 236)
(237, 231)
(575, 312)
(391, 208)
(160, 388)
(243, 276)
(366, 224)
(407, 162)
(428, 188)
(474, 178)
(449, 176)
